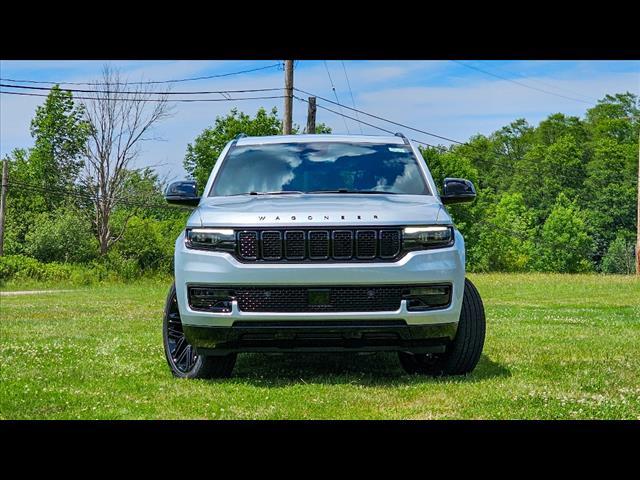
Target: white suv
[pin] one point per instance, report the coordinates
(311, 243)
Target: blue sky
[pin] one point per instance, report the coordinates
(443, 97)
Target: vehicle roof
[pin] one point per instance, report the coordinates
(384, 139)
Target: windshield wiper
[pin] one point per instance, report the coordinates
(282, 192)
(344, 190)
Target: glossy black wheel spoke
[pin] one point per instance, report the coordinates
(183, 354)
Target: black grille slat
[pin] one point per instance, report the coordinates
(294, 245)
(248, 245)
(342, 244)
(271, 245)
(310, 244)
(318, 245)
(343, 299)
(366, 244)
(390, 241)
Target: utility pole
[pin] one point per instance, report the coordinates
(638, 219)
(311, 115)
(288, 97)
(4, 186)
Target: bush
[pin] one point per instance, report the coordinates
(565, 244)
(148, 243)
(116, 266)
(61, 236)
(620, 256)
(21, 268)
(27, 271)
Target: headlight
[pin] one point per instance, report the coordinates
(211, 239)
(420, 238)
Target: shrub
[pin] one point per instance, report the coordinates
(61, 236)
(148, 243)
(26, 271)
(116, 266)
(620, 256)
(21, 268)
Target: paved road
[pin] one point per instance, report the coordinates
(29, 292)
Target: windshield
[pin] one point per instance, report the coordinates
(320, 167)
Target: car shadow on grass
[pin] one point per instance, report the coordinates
(378, 369)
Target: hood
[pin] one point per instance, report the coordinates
(318, 210)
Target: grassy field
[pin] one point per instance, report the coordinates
(558, 346)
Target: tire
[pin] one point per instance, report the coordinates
(183, 358)
(463, 353)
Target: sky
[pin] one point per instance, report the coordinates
(453, 99)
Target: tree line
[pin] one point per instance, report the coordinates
(557, 197)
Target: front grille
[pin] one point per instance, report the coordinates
(338, 244)
(340, 299)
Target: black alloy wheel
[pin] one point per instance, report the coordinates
(182, 357)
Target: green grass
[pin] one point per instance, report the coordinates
(558, 346)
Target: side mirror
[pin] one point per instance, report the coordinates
(457, 190)
(182, 193)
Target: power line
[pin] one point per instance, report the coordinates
(154, 82)
(535, 80)
(335, 93)
(350, 92)
(133, 92)
(439, 147)
(84, 196)
(520, 83)
(382, 118)
(177, 100)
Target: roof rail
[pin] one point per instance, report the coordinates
(401, 135)
(238, 137)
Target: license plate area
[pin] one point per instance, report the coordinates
(319, 297)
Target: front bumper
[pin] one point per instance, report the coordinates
(206, 329)
(321, 336)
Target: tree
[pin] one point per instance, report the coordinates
(121, 116)
(547, 170)
(204, 152)
(505, 152)
(557, 126)
(506, 243)
(24, 201)
(60, 132)
(616, 117)
(565, 244)
(321, 128)
(609, 192)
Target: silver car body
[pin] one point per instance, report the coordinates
(310, 210)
